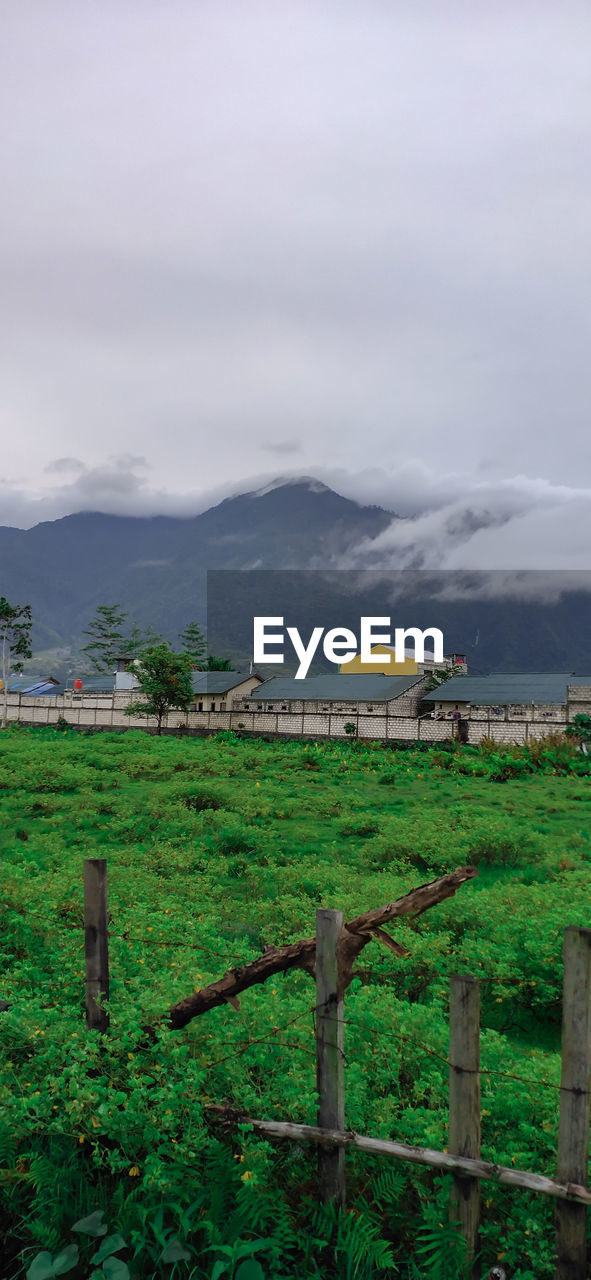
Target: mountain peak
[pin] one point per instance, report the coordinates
(283, 482)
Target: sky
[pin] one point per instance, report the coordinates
(243, 239)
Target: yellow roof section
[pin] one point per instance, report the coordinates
(387, 667)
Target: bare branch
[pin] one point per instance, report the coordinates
(302, 955)
(465, 1166)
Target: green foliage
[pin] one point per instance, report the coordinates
(103, 1260)
(441, 675)
(106, 637)
(193, 642)
(216, 848)
(580, 729)
(15, 632)
(164, 679)
(111, 638)
(15, 643)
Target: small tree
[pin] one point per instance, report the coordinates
(441, 675)
(193, 642)
(164, 679)
(218, 664)
(133, 645)
(106, 637)
(580, 731)
(15, 639)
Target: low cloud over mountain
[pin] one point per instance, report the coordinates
(454, 519)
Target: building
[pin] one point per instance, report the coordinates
(373, 704)
(220, 690)
(541, 700)
(33, 688)
(451, 662)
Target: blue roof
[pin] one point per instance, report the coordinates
(33, 687)
(512, 687)
(334, 688)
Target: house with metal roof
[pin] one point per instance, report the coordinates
(371, 706)
(529, 696)
(219, 690)
(34, 688)
(325, 689)
(358, 694)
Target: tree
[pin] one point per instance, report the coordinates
(138, 640)
(107, 640)
(15, 639)
(580, 731)
(441, 675)
(193, 642)
(164, 679)
(218, 664)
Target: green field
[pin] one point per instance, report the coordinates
(217, 847)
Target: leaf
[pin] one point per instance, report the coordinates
(253, 1246)
(175, 1251)
(220, 1269)
(93, 1225)
(116, 1269)
(249, 1270)
(111, 1245)
(41, 1267)
(65, 1260)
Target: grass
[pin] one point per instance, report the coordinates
(216, 848)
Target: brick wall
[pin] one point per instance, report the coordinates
(106, 711)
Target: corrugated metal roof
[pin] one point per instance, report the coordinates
(512, 687)
(334, 688)
(33, 687)
(94, 684)
(218, 681)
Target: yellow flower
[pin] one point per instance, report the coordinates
(81, 1138)
(246, 1175)
(134, 1171)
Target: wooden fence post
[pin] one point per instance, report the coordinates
(96, 945)
(573, 1128)
(464, 1106)
(330, 1062)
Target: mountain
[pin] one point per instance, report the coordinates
(155, 566)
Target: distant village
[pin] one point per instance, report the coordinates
(389, 701)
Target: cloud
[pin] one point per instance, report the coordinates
(282, 446)
(355, 232)
(453, 521)
(60, 465)
(516, 523)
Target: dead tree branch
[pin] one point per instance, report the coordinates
(465, 1166)
(302, 955)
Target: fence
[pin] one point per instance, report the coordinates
(462, 1159)
(106, 712)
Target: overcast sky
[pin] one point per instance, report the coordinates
(346, 238)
